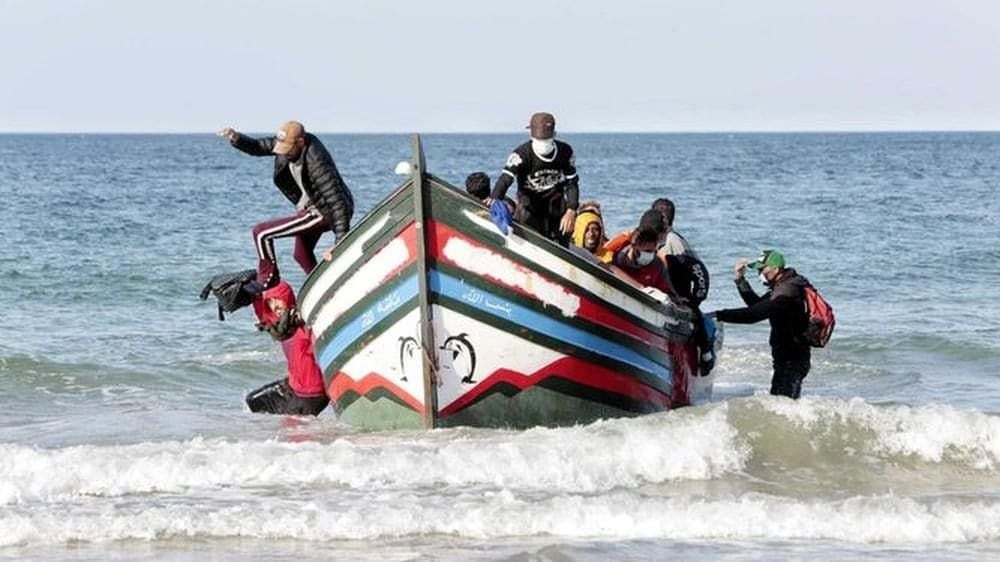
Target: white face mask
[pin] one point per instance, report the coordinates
(543, 147)
(645, 258)
(763, 278)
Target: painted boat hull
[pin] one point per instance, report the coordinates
(520, 332)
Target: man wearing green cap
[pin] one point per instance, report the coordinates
(784, 306)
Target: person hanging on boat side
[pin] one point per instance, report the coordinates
(306, 175)
(301, 392)
(547, 183)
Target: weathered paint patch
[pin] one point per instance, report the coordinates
(491, 265)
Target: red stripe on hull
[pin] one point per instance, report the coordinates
(589, 309)
(569, 368)
(342, 383)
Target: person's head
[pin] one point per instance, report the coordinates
(666, 208)
(478, 185)
(653, 220)
(291, 137)
(542, 128)
(588, 231)
(769, 265)
(281, 319)
(644, 244)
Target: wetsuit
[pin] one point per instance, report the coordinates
(784, 307)
(546, 187)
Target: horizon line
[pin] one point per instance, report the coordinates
(581, 132)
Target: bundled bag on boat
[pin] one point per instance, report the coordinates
(821, 318)
(500, 215)
(233, 290)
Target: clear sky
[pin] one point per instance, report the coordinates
(451, 65)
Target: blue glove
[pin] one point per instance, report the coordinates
(500, 214)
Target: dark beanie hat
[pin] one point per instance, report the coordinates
(478, 185)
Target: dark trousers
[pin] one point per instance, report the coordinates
(543, 215)
(788, 375)
(305, 226)
(279, 398)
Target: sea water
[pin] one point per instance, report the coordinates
(123, 434)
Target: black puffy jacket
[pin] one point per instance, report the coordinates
(784, 306)
(320, 178)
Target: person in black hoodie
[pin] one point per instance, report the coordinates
(784, 306)
(305, 173)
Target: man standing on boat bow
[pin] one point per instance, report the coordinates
(305, 174)
(547, 185)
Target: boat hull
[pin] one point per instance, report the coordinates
(519, 331)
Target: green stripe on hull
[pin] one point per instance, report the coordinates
(380, 411)
(506, 406)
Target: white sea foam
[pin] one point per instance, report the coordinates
(620, 453)
(619, 515)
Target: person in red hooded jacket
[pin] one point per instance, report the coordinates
(301, 392)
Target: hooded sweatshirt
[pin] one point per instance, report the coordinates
(304, 375)
(584, 219)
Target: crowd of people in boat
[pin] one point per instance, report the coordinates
(653, 256)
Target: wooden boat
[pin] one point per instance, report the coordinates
(427, 316)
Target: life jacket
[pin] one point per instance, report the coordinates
(232, 290)
(619, 242)
(821, 318)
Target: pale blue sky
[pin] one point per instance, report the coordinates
(450, 65)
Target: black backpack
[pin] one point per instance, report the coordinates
(233, 290)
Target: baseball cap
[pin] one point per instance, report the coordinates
(288, 134)
(768, 258)
(542, 125)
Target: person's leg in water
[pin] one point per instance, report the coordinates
(266, 232)
(279, 398)
(788, 376)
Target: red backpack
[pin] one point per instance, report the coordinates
(821, 318)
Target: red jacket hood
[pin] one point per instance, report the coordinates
(283, 292)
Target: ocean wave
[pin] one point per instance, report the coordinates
(620, 515)
(594, 458)
(882, 447)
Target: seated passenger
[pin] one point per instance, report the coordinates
(588, 232)
(638, 259)
(478, 186)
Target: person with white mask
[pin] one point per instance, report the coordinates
(637, 258)
(548, 190)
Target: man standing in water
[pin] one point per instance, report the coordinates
(784, 306)
(547, 184)
(305, 173)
